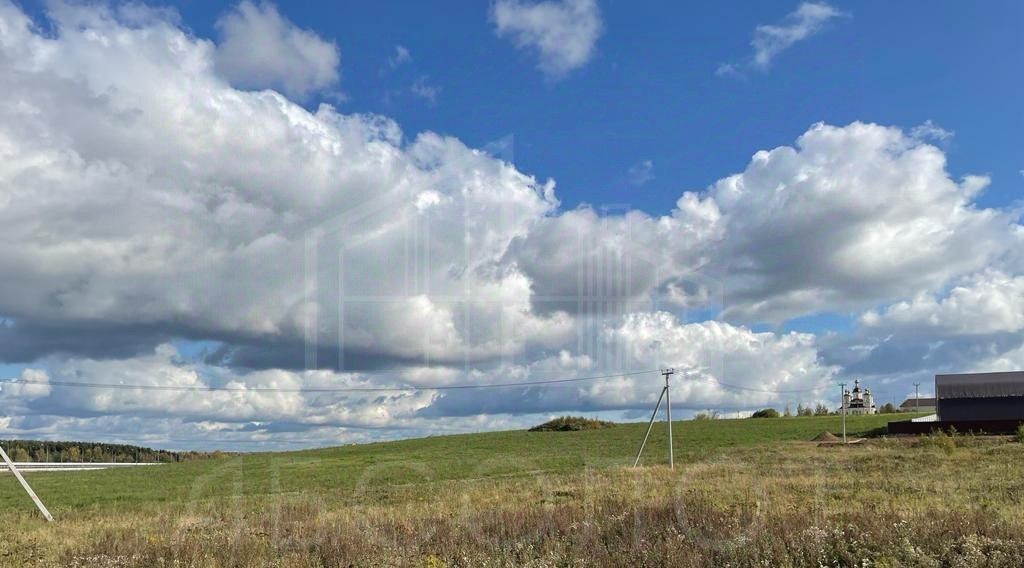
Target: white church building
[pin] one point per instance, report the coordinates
(858, 401)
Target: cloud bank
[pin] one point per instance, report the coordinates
(151, 201)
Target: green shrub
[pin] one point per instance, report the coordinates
(571, 424)
(939, 440)
(766, 413)
(1019, 436)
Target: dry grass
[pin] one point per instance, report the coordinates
(885, 503)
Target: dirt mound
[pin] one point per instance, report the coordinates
(826, 437)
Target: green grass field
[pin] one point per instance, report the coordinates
(744, 492)
(416, 461)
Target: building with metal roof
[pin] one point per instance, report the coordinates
(980, 396)
(915, 404)
(972, 402)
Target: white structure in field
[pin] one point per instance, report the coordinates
(858, 401)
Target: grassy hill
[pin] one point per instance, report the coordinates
(465, 456)
(744, 492)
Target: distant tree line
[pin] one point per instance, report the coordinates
(818, 410)
(86, 452)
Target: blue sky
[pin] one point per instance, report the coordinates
(650, 91)
(188, 161)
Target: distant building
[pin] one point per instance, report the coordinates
(971, 402)
(858, 401)
(924, 404)
(980, 396)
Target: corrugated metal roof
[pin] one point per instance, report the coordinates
(979, 385)
(912, 402)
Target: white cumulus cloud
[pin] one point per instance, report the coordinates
(733, 365)
(849, 217)
(988, 302)
(260, 48)
(146, 200)
(563, 33)
(140, 191)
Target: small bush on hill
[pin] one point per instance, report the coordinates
(1019, 436)
(766, 413)
(571, 424)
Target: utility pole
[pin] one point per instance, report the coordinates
(842, 403)
(28, 489)
(668, 411)
(654, 415)
(917, 397)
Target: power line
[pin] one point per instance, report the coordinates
(409, 388)
(750, 389)
(187, 388)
